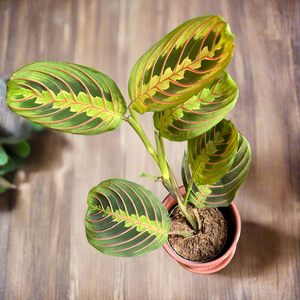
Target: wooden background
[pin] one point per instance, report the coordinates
(43, 250)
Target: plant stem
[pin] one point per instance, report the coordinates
(168, 187)
(132, 113)
(162, 157)
(150, 176)
(184, 234)
(135, 124)
(168, 179)
(198, 218)
(188, 191)
(186, 214)
(178, 197)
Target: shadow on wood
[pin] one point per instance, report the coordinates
(46, 152)
(46, 155)
(259, 248)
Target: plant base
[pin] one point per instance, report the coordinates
(222, 260)
(206, 244)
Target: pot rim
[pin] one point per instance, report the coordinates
(237, 221)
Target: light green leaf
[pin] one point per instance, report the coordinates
(3, 156)
(199, 113)
(212, 153)
(125, 219)
(181, 64)
(8, 167)
(223, 192)
(66, 97)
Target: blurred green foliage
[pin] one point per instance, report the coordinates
(14, 131)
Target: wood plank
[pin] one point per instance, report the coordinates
(43, 250)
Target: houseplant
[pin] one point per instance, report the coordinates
(182, 79)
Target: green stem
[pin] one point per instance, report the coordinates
(168, 187)
(174, 183)
(156, 178)
(132, 113)
(162, 157)
(178, 197)
(168, 179)
(188, 217)
(139, 130)
(188, 191)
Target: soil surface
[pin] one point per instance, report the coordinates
(206, 243)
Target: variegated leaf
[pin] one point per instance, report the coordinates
(199, 113)
(12, 127)
(181, 64)
(223, 192)
(66, 97)
(212, 153)
(125, 219)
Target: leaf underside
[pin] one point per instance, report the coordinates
(125, 219)
(199, 113)
(66, 97)
(212, 153)
(223, 192)
(181, 64)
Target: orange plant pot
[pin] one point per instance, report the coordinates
(232, 215)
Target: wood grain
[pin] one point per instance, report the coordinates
(43, 250)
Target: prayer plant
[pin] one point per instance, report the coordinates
(182, 80)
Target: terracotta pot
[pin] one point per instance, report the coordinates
(232, 215)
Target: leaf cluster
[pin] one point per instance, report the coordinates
(13, 133)
(183, 82)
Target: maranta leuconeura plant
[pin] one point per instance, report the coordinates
(183, 82)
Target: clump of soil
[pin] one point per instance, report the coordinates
(206, 243)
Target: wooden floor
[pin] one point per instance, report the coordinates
(43, 250)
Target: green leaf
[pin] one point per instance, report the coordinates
(223, 192)
(21, 148)
(199, 113)
(8, 167)
(66, 97)
(3, 156)
(13, 128)
(36, 126)
(17, 160)
(212, 153)
(125, 219)
(181, 64)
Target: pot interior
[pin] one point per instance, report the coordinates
(229, 217)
